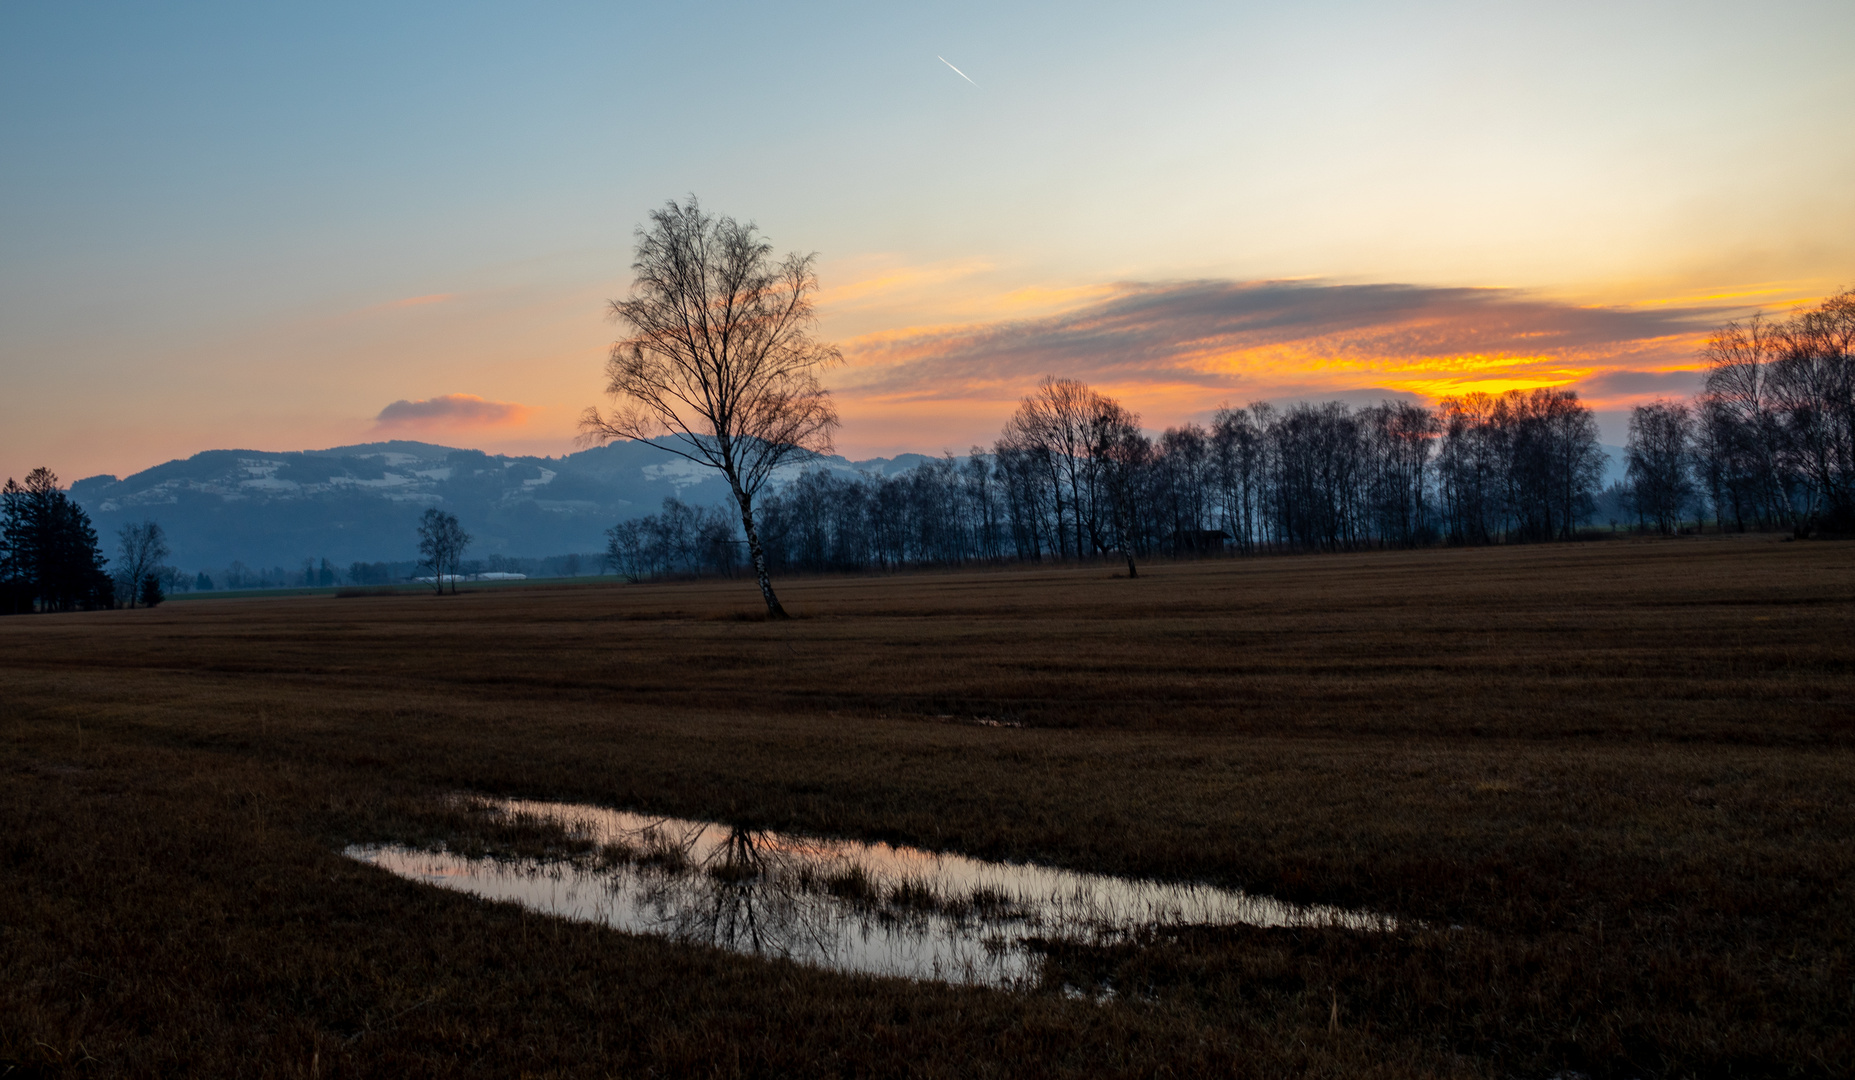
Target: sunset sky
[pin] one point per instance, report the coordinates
(282, 228)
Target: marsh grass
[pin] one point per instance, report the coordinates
(1607, 788)
(851, 883)
(912, 894)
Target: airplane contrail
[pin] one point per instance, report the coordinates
(957, 71)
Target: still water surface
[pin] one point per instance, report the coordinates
(839, 904)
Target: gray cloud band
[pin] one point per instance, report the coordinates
(1162, 331)
(451, 408)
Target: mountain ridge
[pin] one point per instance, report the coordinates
(361, 502)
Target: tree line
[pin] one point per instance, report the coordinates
(50, 561)
(1770, 441)
(719, 366)
(1074, 476)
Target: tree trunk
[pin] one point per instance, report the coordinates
(745, 502)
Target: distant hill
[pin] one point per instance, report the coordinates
(363, 502)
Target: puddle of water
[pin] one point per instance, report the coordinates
(849, 906)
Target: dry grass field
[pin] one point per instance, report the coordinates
(1609, 788)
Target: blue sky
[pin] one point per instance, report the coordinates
(244, 225)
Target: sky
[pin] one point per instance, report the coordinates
(283, 227)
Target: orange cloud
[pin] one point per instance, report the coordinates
(1175, 350)
(451, 410)
(1260, 336)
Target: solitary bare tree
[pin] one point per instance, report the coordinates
(141, 548)
(441, 546)
(720, 358)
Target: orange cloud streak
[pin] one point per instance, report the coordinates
(1175, 350)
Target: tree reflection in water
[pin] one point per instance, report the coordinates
(736, 899)
(840, 904)
(754, 892)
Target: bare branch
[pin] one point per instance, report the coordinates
(719, 366)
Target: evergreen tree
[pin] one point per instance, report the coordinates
(49, 559)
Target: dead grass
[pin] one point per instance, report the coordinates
(1611, 781)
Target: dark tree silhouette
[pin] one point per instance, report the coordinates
(1776, 434)
(1769, 443)
(720, 359)
(140, 549)
(682, 540)
(441, 546)
(1519, 467)
(1123, 458)
(1050, 433)
(1522, 466)
(1073, 476)
(1660, 456)
(48, 550)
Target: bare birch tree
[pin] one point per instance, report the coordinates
(1051, 426)
(720, 358)
(1660, 457)
(1122, 457)
(141, 547)
(1777, 419)
(441, 546)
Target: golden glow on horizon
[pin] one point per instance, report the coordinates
(916, 385)
(1331, 364)
(1599, 174)
(921, 378)
(905, 387)
(1437, 389)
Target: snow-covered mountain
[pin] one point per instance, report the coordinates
(363, 502)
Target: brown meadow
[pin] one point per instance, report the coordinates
(1606, 786)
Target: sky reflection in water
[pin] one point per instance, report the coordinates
(870, 908)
